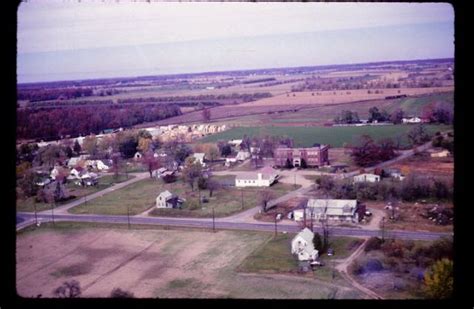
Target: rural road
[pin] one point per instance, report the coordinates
(343, 270)
(240, 221)
(222, 223)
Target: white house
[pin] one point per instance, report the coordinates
(166, 199)
(235, 142)
(137, 156)
(336, 210)
(411, 120)
(242, 155)
(159, 172)
(440, 154)
(367, 178)
(199, 156)
(264, 178)
(97, 164)
(302, 246)
(54, 172)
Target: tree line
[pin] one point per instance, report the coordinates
(34, 95)
(53, 123)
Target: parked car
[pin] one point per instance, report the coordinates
(330, 251)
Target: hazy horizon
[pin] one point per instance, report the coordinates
(60, 41)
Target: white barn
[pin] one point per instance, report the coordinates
(265, 178)
(302, 246)
(335, 210)
(366, 178)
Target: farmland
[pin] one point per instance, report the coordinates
(154, 263)
(334, 136)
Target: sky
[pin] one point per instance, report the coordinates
(67, 40)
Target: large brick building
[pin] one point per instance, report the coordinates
(313, 156)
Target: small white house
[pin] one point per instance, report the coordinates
(411, 120)
(166, 199)
(242, 155)
(235, 142)
(159, 172)
(264, 178)
(367, 178)
(137, 156)
(200, 156)
(440, 154)
(302, 246)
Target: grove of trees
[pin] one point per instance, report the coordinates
(52, 123)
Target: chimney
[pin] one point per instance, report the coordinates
(259, 176)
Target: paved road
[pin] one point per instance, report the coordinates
(240, 221)
(222, 223)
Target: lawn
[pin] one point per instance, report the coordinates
(141, 196)
(28, 205)
(334, 136)
(274, 256)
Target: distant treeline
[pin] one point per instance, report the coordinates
(34, 95)
(246, 97)
(68, 103)
(259, 80)
(51, 123)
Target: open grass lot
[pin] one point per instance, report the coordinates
(274, 257)
(73, 189)
(334, 136)
(141, 196)
(173, 263)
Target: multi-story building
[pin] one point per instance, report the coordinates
(311, 157)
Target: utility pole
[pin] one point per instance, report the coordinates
(383, 229)
(199, 194)
(52, 211)
(276, 224)
(242, 197)
(213, 221)
(128, 215)
(36, 215)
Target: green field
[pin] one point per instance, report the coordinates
(106, 181)
(141, 196)
(334, 136)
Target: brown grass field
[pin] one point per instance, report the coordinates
(154, 263)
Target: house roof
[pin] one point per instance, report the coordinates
(166, 194)
(333, 207)
(199, 155)
(366, 175)
(306, 234)
(247, 176)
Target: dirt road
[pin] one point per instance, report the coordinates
(343, 269)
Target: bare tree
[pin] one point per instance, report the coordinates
(150, 162)
(69, 289)
(265, 196)
(206, 114)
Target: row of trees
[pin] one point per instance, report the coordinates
(53, 123)
(202, 97)
(412, 188)
(42, 94)
(432, 113)
(367, 152)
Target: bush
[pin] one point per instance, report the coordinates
(373, 265)
(393, 248)
(374, 243)
(119, 293)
